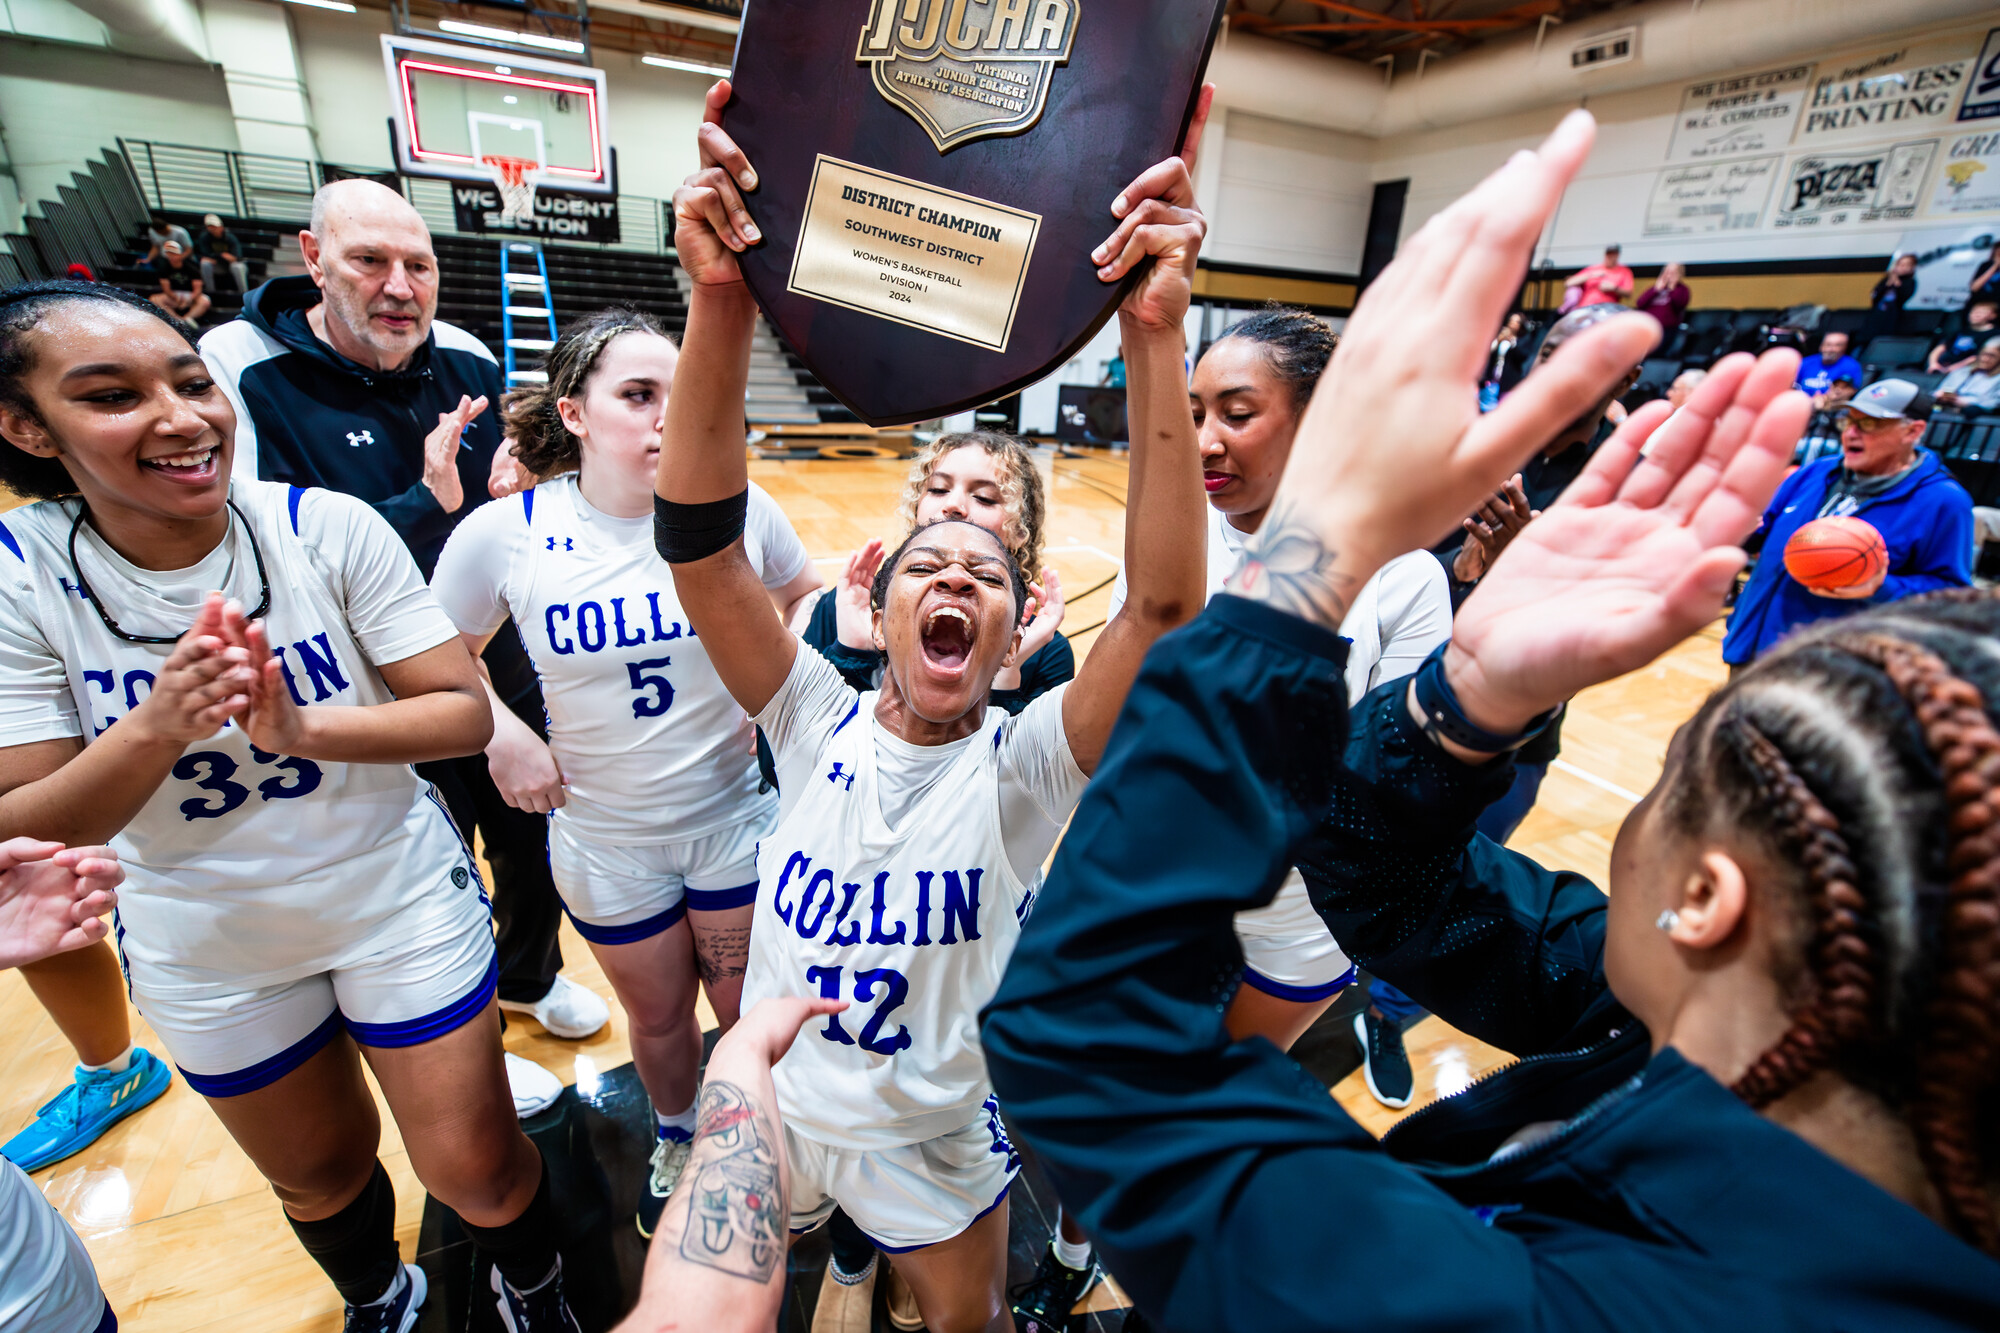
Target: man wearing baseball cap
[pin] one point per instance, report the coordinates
(1610, 281)
(1880, 476)
(217, 243)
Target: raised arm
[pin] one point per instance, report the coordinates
(1166, 524)
(704, 478)
(1190, 1158)
(718, 1262)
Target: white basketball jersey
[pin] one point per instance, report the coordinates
(913, 923)
(243, 866)
(652, 748)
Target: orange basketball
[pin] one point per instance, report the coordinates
(1829, 554)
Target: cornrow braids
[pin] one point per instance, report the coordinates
(22, 309)
(1297, 343)
(1955, 1065)
(1841, 1009)
(1866, 753)
(1021, 494)
(532, 418)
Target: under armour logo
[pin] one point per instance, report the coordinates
(838, 776)
(357, 439)
(568, 543)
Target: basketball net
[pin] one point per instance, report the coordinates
(515, 177)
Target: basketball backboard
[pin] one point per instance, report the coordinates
(452, 105)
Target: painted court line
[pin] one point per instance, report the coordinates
(1595, 781)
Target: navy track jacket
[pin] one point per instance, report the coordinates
(1227, 1190)
(308, 416)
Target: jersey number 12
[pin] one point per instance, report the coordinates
(895, 988)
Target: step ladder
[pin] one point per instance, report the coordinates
(525, 296)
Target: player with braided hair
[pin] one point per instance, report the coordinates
(646, 772)
(1758, 1084)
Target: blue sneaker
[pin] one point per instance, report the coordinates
(397, 1312)
(78, 1115)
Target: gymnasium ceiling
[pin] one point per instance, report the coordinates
(1368, 30)
(1360, 30)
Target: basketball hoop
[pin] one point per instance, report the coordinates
(516, 178)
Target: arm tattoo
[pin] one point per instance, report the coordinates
(1288, 567)
(736, 1201)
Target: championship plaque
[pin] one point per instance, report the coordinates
(933, 174)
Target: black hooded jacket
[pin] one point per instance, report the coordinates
(308, 416)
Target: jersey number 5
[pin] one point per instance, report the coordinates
(895, 988)
(656, 695)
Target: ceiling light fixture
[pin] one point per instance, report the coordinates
(691, 66)
(534, 39)
(341, 5)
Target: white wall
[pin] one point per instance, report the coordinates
(1290, 196)
(1610, 198)
(61, 105)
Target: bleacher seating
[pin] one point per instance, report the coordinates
(1895, 352)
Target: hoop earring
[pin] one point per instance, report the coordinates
(1668, 920)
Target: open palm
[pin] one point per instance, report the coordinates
(1637, 554)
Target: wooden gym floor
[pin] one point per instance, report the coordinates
(186, 1236)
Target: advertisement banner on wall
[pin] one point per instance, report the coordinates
(1970, 180)
(1839, 189)
(1982, 89)
(1947, 260)
(1739, 116)
(1710, 197)
(1898, 92)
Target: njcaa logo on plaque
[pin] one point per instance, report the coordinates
(968, 69)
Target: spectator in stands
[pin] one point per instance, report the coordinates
(216, 243)
(1667, 299)
(1823, 429)
(1684, 386)
(1892, 294)
(1976, 387)
(180, 293)
(1958, 346)
(1881, 477)
(158, 232)
(1818, 372)
(1609, 281)
(344, 378)
(1986, 282)
(1503, 366)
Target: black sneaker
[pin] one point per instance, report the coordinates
(1043, 1303)
(542, 1310)
(396, 1312)
(663, 1172)
(1384, 1062)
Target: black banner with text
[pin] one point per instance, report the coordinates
(560, 215)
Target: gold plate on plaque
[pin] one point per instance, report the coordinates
(967, 69)
(936, 260)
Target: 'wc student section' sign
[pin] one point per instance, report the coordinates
(560, 215)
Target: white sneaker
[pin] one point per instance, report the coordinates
(568, 1010)
(535, 1088)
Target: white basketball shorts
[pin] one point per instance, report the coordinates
(622, 894)
(1287, 950)
(906, 1197)
(435, 972)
